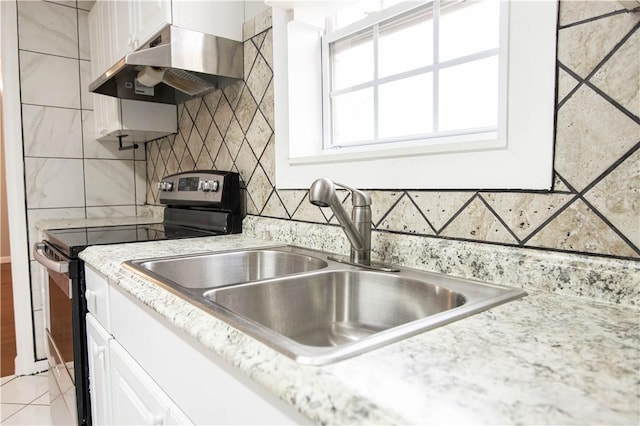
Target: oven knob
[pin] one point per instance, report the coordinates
(165, 186)
(208, 185)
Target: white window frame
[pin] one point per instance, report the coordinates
(436, 141)
(523, 160)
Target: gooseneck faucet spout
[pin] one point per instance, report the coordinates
(322, 193)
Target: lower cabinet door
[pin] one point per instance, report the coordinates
(98, 351)
(135, 397)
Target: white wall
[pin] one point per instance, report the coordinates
(66, 173)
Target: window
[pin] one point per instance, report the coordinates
(421, 74)
(471, 106)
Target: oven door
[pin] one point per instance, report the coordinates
(59, 335)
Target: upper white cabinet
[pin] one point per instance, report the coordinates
(120, 27)
(111, 38)
(220, 18)
(117, 31)
(101, 46)
(136, 22)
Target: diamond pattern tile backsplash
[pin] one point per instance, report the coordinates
(594, 207)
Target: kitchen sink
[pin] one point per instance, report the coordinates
(336, 307)
(221, 269)
(314, 309)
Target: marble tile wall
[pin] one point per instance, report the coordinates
(68, 174)
(595, 202)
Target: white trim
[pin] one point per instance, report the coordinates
(5, 259)
(526, 162)
(25, 360)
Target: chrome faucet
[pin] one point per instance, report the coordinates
(322, 193)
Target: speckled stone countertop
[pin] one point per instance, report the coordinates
(545, 359)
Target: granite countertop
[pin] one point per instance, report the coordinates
(543, 359)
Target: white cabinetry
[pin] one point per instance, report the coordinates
(220, 18)
(136, 21)
(131, 23)
(121, 390)
(159, 375)
(109, 26)
(119, 27)
(99, 381)
(117, 32)
(136, 398)
(101, 47)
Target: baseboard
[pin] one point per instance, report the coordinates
(5, 259)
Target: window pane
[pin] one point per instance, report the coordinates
(471, 27)
(405, 45)
(406, 107)
(352, 61)
(353, 117)
(468, 95)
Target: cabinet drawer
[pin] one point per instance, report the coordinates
(97, 295)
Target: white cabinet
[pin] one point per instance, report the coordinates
(99, 380)
(101, 47)
(120, 27)
(220, 18)
(136, 398)
(148, 17)
(131, 23)
(111, 39)
(117, 31)
(134, 22)
(97, 297)
(135, 121)
(121, 391)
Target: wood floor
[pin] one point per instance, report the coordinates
(7, 324)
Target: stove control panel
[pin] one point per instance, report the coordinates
(201, 188)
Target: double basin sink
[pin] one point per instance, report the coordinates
(316, 310)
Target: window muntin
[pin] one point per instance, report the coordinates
(414, 97)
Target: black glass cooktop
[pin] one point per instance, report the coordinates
(73, 240)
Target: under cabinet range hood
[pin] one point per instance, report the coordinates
(175, 65)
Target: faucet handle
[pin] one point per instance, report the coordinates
(358, 198)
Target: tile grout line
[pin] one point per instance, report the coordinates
(593, 18)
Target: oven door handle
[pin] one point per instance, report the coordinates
(44, 260)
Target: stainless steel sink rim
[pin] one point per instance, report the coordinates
(319, 355)
(299, 263)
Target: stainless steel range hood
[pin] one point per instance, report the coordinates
(176, 65)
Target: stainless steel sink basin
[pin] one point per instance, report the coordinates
(221, 269)
(336, 307)
(319, 311)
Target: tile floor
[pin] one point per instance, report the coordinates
(25, 400)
